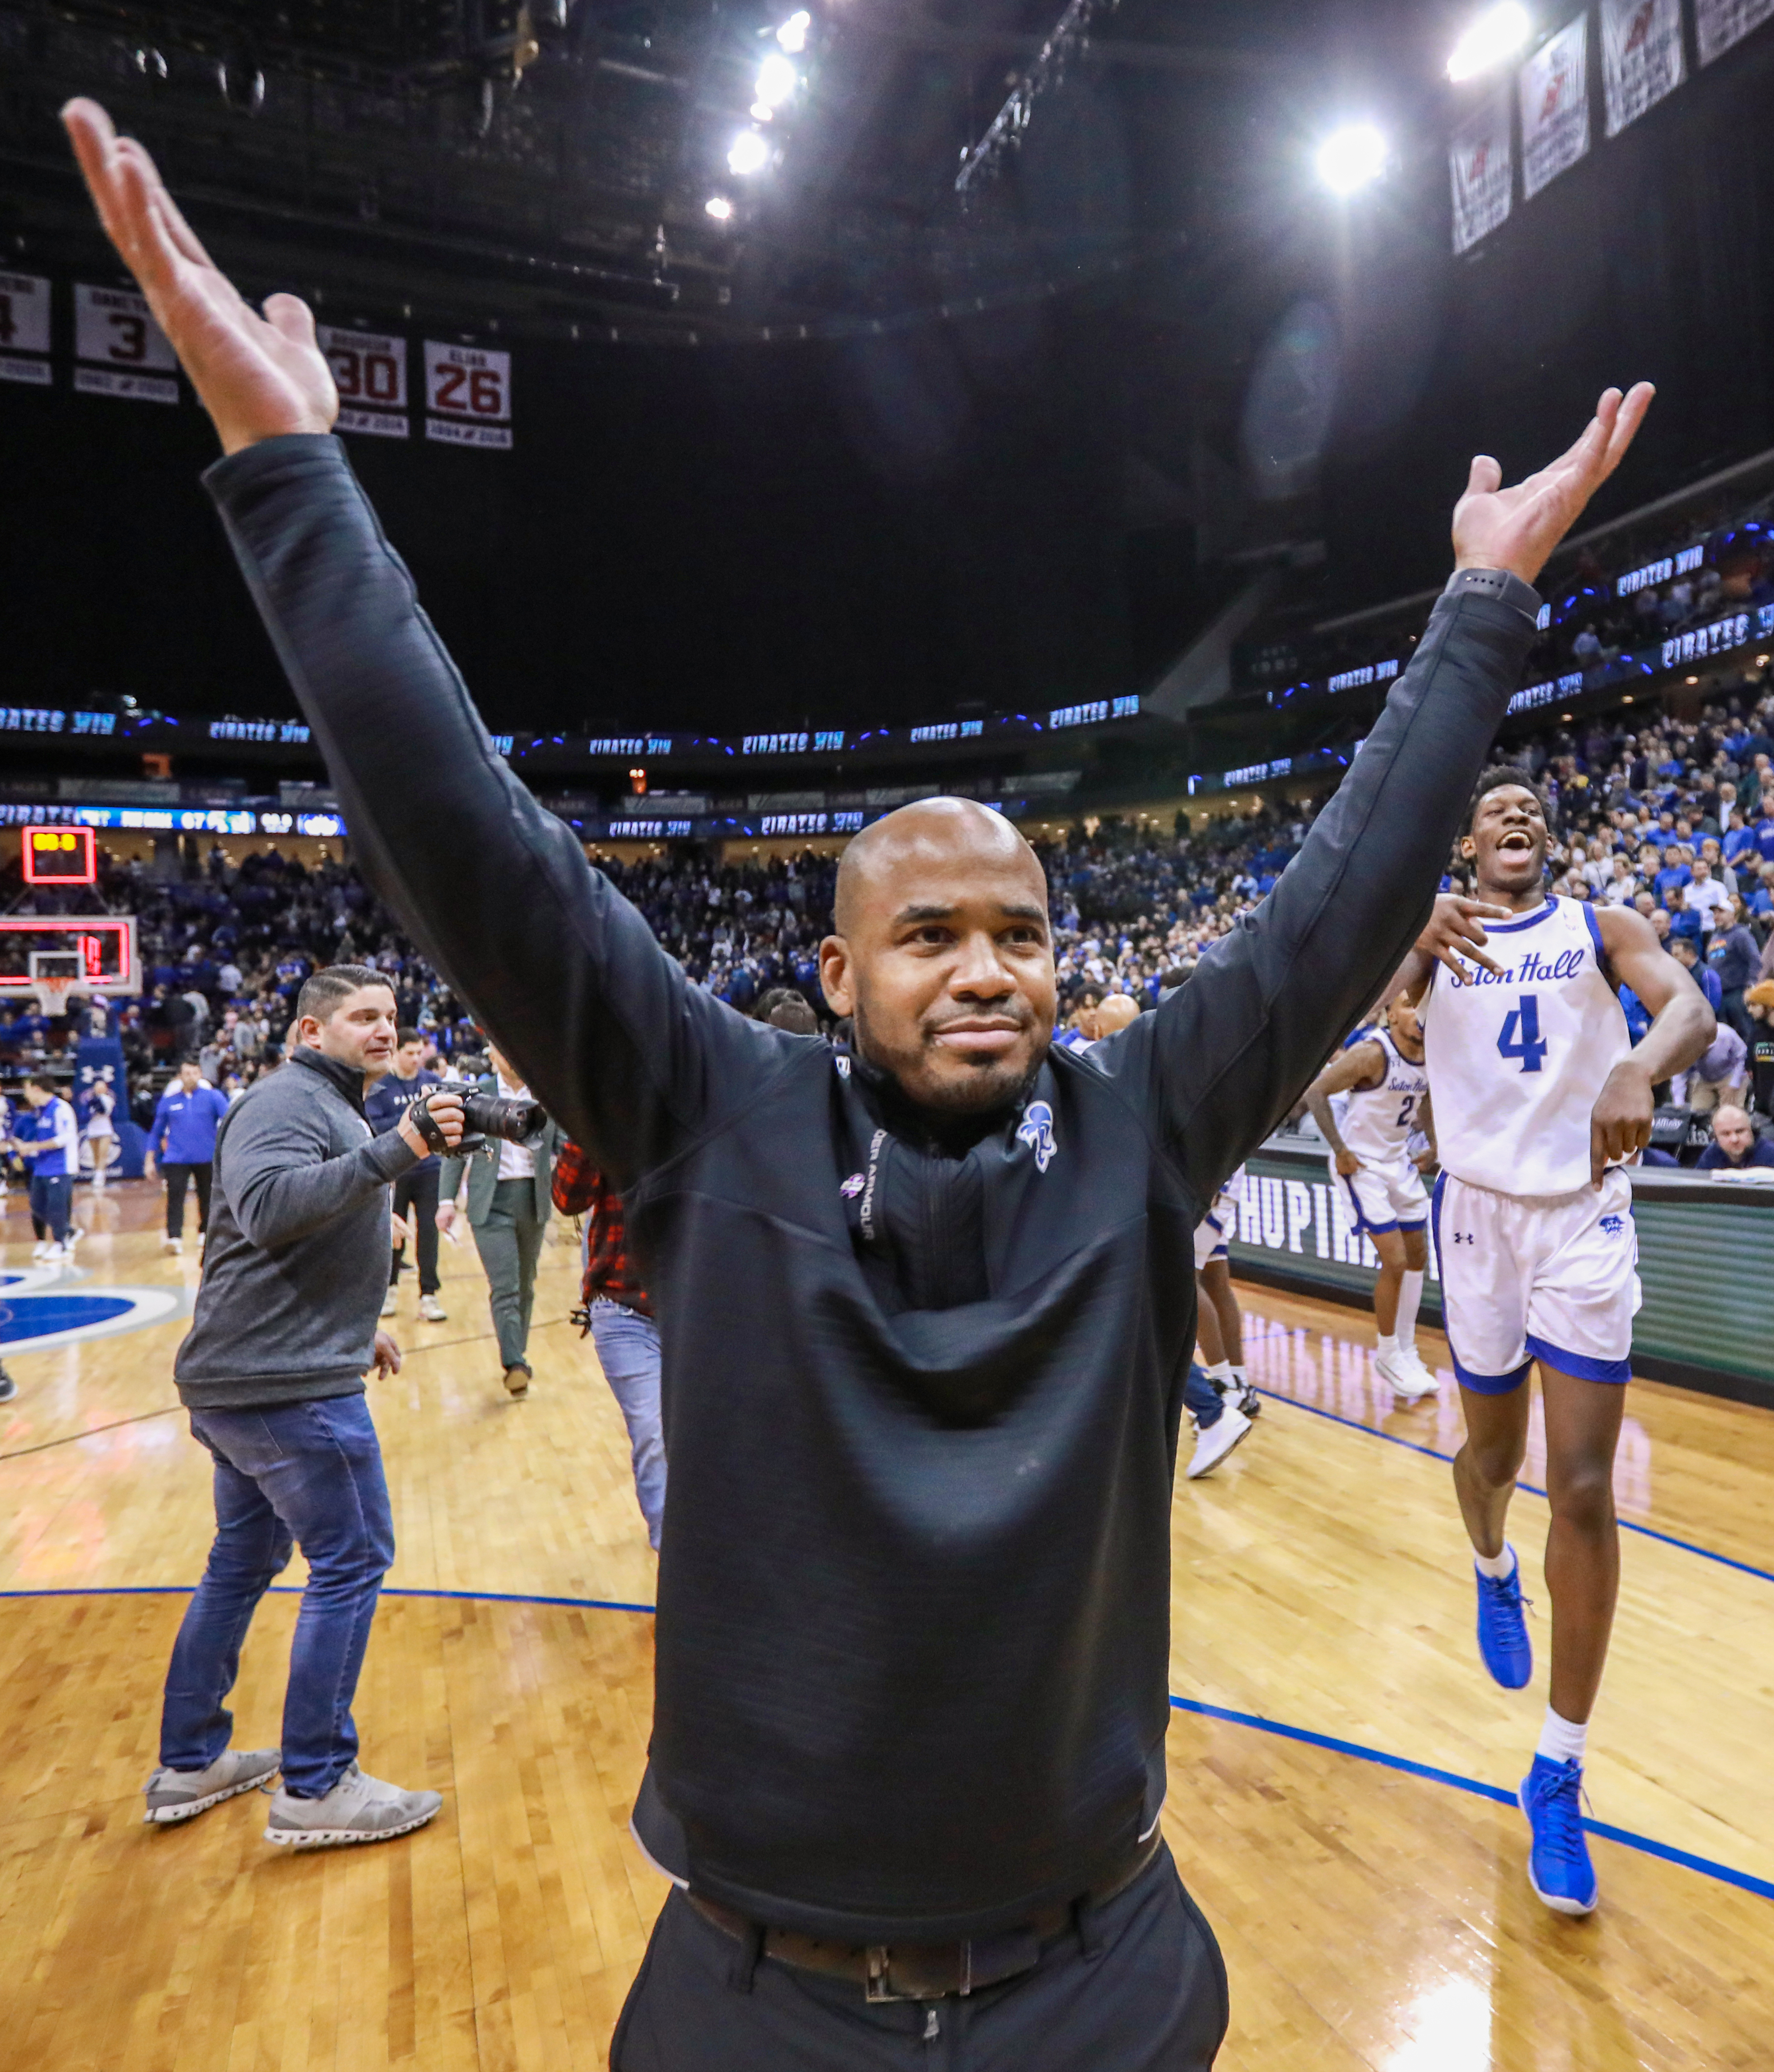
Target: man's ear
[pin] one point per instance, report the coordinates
(834, 976)
(1468, 847)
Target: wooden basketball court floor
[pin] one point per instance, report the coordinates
(1342, 1772)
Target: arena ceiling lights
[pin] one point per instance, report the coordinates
(778, 80)
(1351, 158)
(1489, 41)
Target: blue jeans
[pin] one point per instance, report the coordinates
(51, 1203)
(296, 1473)
(628, 1346)
(1202, 1398)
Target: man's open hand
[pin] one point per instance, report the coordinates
(1495, 528)
(1456, 931)
(258, 377)
(388, 1356)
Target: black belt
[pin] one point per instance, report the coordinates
(926, 1971)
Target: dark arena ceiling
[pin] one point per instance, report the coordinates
(547, 165)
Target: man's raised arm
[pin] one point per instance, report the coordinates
(1235, 1047)
(496, 891)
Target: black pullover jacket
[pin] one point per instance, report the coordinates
(921, 1400)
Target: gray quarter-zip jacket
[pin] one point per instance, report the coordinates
(296, 1263)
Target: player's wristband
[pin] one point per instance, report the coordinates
(1503, 584)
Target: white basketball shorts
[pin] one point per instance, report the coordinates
(1213, 1233)
(1382, 1198)
(1548, 1277)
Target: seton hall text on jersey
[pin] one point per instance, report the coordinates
(1534, 970)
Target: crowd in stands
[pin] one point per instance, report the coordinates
(1676, 817)
(1721, 560)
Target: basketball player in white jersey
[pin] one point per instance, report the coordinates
(1220, 1324)
(1384, 1084)
(1540, 1102)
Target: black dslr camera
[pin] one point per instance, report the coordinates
(485, 1118)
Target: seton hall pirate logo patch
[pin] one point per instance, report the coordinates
(1036, 1130)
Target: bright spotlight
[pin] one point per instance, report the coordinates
(1497, 33)
(777, 80)
(792, 34)
(1351, 158)
(748, 154)
(719, 208)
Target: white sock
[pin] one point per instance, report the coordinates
(1241, 1376)
(1495, 1566)
(1410, 1293)
(1219, 1374)
(1388, 1346)
(1562, 1741)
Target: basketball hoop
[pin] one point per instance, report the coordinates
(54, 975)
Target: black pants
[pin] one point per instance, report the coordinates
(418, 1190)
(1142, 1988)
(175, 1178)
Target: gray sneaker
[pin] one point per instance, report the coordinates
(182, 1795)
(357, 1809)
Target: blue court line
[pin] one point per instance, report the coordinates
(1643, 1843)
(1416, 1446)
(295, 1590)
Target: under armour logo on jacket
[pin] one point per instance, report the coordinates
(1036, 1130)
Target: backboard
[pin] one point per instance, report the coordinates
(36, 950)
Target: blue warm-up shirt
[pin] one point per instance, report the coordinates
(185, 1125)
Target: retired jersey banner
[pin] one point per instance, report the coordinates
(369, 372)
(24, 328)
(112, 327)
(1642, 57)
(1717, 24)
(1554, 85)
(1479, 167)
(467, 395)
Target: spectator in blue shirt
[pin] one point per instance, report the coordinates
(416, 1190)
(1734, 1145)
(182, 1143)
(1638, 1015)
(1675, 873)
(1686, 922)
(1686, 950)
(1740, 840)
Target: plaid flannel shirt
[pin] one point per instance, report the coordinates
(580, 1190)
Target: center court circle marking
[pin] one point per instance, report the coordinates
(40, 1314)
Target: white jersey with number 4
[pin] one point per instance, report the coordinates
(1516, 1061)
(1376, 1121)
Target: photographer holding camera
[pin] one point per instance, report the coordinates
(509, 1204)
(272, 1375)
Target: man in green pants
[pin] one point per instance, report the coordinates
(508, 1209)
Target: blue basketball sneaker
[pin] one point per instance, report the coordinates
(1558, 1865)
(1508, 1653)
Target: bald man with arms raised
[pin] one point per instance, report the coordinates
(925, 1308)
